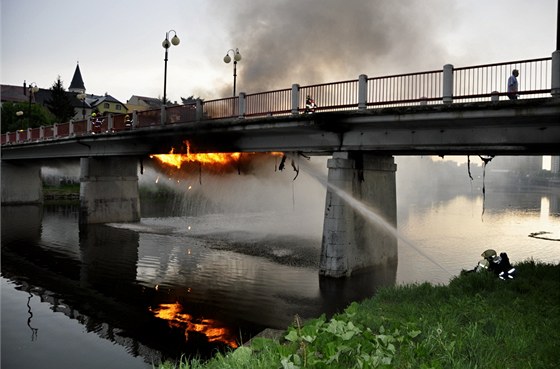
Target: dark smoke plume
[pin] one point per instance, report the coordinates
(317, 41)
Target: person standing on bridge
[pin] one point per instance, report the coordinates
(512, 86)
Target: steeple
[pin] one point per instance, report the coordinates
(77, 84)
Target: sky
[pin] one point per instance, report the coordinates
(118, 43)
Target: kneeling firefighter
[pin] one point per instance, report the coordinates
(499, 265)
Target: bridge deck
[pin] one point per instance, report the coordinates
(522, 127)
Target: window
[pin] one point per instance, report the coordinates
(106, 105)
(118, 107)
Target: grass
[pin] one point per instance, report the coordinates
(477, 321)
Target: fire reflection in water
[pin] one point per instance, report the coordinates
(209, 327)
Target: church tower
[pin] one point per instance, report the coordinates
(77, 84)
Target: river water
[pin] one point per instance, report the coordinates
(185, 281)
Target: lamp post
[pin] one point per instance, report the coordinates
(33, 89)
(166, 44)
(82, 98)
(236, 58)
(19, 113)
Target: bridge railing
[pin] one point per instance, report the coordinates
(474, 83)
(335, 96)
(481, 82)
(221, 108)
(405, 89)
(277, 102)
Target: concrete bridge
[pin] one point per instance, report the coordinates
(361, 123)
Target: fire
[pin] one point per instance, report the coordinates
(216, 160)
(177, 160)
(209, 327)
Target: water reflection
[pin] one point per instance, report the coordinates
(211, 328)
(161, 289)
(172, 286)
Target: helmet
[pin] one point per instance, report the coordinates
(488, 254)
(93, 114)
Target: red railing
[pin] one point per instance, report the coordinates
(474, 83)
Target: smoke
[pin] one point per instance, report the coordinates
(317, 41)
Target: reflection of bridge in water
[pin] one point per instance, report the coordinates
(96, 279)
(362, 123)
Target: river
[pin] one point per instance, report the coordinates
(190, 282)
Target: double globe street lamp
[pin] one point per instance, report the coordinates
(236, 58)
(32, 90)
(166, 44)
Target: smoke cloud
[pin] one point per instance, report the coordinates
(316, 41)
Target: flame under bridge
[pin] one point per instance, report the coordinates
(361, 138)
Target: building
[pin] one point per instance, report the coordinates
(555, 164)
(140, 103)
(84, 104)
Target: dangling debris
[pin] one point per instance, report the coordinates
(485, 161)
(296, 169)
(282, 163)
(469, 166)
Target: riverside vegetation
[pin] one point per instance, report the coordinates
(476, 321)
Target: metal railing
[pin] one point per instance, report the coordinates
(478, 83)
(474, 83)
(331, 96)
(405, 89)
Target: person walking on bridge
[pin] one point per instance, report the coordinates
(512, 86)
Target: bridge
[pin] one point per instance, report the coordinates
(361, 123)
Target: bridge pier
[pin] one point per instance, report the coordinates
(109, 190)
(351, 240)
(21, 183)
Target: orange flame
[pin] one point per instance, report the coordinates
(219, 159)
(209, 327)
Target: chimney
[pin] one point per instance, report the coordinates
(24, 88)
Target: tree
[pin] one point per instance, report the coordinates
(60, 104)
(12, 122)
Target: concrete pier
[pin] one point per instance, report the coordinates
(352, 240)
(21, 183)
(109, 190)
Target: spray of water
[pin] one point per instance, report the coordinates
(368, 213)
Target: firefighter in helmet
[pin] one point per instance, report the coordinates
(310, 105)
(498, 264)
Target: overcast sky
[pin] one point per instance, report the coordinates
(118, 43)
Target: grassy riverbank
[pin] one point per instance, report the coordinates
(477, 321)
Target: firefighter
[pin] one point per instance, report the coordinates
(96, 122)
(498, 264)
(127, 122)
(310, 105)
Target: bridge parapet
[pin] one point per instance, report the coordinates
(538, 78)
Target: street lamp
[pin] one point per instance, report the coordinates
(19, 113)
(166, 44)
(33, 89)
(236, 58)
